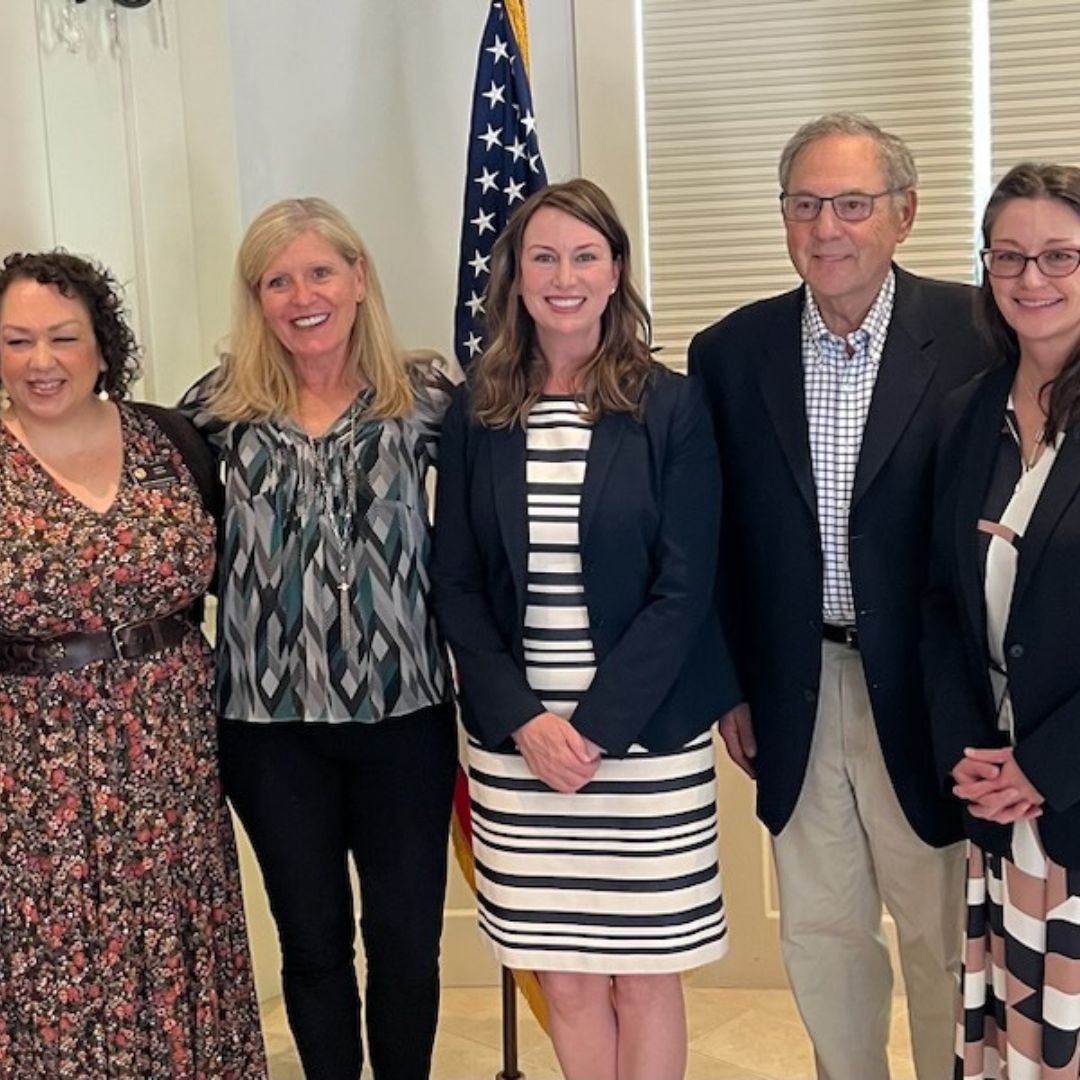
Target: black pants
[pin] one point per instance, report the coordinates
(310, 795)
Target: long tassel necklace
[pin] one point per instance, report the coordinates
(340, 516)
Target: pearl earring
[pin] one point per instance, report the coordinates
(5, 400)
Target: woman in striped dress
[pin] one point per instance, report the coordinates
(575, 551)
(1004, 639)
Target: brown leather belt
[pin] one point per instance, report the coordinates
(66, 652)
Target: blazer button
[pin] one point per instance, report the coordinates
(1016, 651)
(809, 696)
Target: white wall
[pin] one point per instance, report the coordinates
(102, 155)
(25, 208)
(368, 105)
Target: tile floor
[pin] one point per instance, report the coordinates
(734, 1035)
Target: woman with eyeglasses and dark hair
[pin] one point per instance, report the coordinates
(1002, 651)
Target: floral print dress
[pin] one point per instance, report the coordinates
(123, 952)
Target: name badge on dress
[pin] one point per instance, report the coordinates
(156, 474)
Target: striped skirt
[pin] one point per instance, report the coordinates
(1021, 981)
(622, 877)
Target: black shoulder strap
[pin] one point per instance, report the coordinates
(194, 450)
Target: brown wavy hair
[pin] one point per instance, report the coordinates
(1033, 181)
(507, 379)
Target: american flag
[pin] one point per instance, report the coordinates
(504, 169)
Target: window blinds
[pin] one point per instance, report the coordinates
(1034, 82)
(726, 84)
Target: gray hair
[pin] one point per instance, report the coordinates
(896, 161)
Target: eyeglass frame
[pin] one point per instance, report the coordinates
(823, 199)
(984, 253)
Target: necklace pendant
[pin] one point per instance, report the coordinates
(345, 615)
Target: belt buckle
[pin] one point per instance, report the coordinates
(851, 637)
(115, 636)
(150, 626)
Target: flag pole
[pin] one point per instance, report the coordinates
(504, 167)
(515, 12)
(510, 1070)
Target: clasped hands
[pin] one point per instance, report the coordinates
(557, 753)
(992, 784)
(988, 780)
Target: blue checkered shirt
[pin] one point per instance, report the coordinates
(839, 379)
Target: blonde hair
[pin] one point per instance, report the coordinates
(507, 379)
(257, 380)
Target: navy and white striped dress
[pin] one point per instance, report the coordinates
(623, 876)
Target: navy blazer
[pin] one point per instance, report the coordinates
(771, 566)
(1042, 636)
(650, 518)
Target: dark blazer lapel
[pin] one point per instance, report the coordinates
(972, 476)
(507, 449)
(906, 368)
(606, 435)
(780, 375)
(1060, 489)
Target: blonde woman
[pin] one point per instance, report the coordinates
(337, 732)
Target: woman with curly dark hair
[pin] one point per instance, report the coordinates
(123, 951)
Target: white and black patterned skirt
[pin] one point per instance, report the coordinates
(622, 877)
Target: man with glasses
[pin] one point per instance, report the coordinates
(825, 401)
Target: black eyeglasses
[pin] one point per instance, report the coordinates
(1054, 262)
(850, 206)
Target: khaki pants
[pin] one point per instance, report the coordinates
(847, 849)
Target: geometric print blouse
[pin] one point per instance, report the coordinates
(323, 584)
